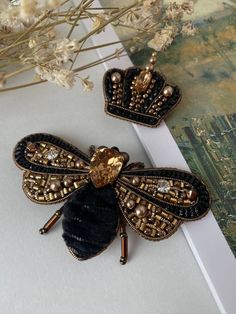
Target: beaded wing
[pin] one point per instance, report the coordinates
(103, 192)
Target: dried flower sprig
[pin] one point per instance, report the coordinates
(31, 39)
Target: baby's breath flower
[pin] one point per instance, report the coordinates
(87, 84)
(163, 38)
(174, 11)
(60, 76)
(10, 20)
(151, 8)
(28, 8)
(188, 7)
(188, 29)
(65, 49)
(64, 78)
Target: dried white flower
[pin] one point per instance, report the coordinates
(163, 38)
(10, 20)
(59, 76)
(151, 8)
(188, 29)
(28, 8)
(65, 49)
(174, 11)
(87, 85)
(188, 7)
(64, 77)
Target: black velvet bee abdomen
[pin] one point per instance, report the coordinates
(91, 220)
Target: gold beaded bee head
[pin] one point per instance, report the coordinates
(139, 96)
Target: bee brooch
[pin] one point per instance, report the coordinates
(139, 96)
(103, 193)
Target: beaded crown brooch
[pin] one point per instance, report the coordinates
(139, 96)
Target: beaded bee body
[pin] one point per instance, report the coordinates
(103, 193)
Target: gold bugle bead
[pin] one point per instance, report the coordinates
(142, 185)
(149, 206)
(162, 226)
(122, 189)
(172, 193)
(134, 220)
(165, 214)
(153, 233)
(51, 196)
(131, 215)
(174, 222)
(187, 202)
(159, 195)
(65, 191)
(41, 198)
(62, 194)
(158, 217)
(143, 226)
(138, 224)
(173, 200)
(182, 184)
(138, 200)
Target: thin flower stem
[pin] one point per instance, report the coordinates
(4, 50)
(21, 86)
(117, 16)
(9, 75)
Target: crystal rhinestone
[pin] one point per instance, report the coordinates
(163, 186)
(51, 154)
(105, 166)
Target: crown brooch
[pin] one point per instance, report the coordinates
(140, 96)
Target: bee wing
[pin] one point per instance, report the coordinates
(155, 201)
(53, 168)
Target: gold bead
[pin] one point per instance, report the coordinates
(168, 91)
(135, 181)
(130, 204)
(149, 67)
(116, 77)
(192, 195)
(153, 60)
(55, 185)
(141, 211)
(68, 182)
(79, 164)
